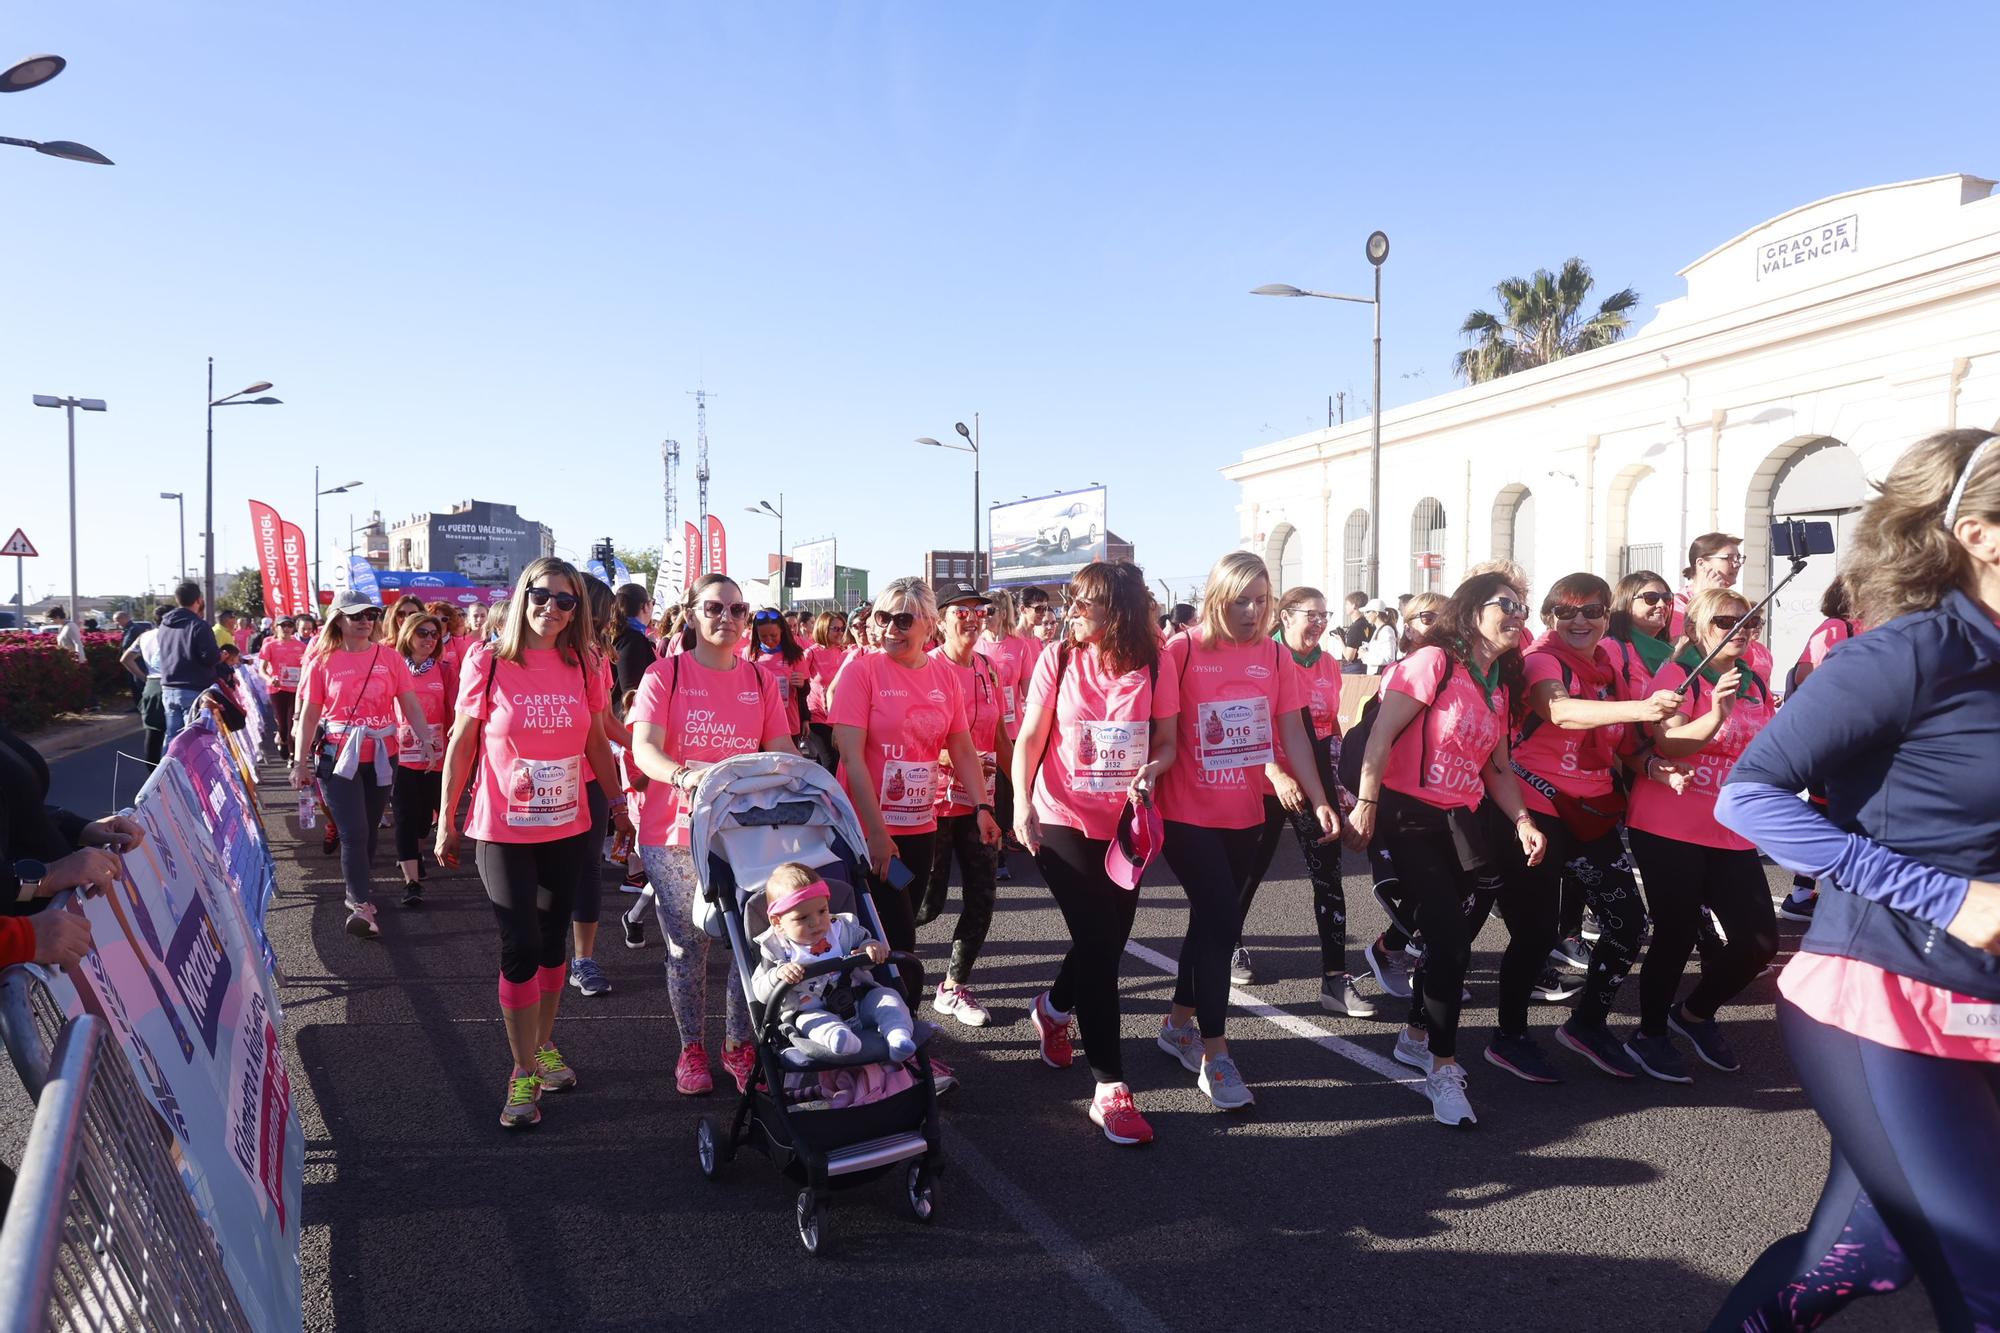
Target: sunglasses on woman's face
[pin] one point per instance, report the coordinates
(968, 612)
(373, 613)
(427, 633)
(565, 601)
(717, 610)
(902, 620)
(1589, 611)
(1424, 618)
(1750, 626)
(1652, 598)
(1508, 606)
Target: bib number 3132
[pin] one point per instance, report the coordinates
(544, 793)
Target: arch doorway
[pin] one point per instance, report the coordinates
(1818, 479)
(1514, 527)
(1284, 556)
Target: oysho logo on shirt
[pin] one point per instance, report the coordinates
(1206, 668)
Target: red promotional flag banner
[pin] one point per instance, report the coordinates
(268, 531)
(718, 546)
(298, 586)
(691, 540)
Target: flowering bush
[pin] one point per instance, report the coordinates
(106, 676)
(39, 680)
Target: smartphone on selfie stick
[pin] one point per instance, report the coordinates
(1795, 539)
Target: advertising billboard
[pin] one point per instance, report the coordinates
(1046, 539)
(816, 566)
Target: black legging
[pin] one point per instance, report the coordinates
(1322, 868)
(1600, 872)
(1099, 916)
(1914, 1188)
(355, 805)
(958, 835)
(1682, 878)
(283, 707)
(820, 747)
(1211, 864)
(896, 907)
(1435, 889)
(415, 794)
(588, 902)
(529, 885)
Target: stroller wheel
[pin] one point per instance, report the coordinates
(809, 1221)
(920, 1188)
(705, 1146)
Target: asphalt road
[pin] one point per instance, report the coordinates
(1337, 1201)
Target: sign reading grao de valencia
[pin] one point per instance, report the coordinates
(1839, 236)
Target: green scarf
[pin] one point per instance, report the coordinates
(1304, 659)
(1688, 656)
(1653, 652)
(1488, 682)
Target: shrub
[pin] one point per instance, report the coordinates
(39, 680)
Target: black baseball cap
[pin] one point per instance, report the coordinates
(955, 594)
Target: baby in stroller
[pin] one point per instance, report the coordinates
(822, 1013)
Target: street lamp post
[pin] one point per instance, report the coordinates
(1378, 254)
(208, 511)
(341, 489)
(33, 72)
(69, 406)
(764, 507)
(971, 446)
(180, 503)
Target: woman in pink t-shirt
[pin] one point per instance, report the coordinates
(894, 714)
(773, 648)
(282, 661)
(1686, 859)
(600, 788)
(1241, 699)
(419, 782)
(1436, 751)
(527, 735)
(696, 708)
(1009, 642)
(825, 656)
(354, 685)
(1097, 731)
(1715, 561)
(958, 826)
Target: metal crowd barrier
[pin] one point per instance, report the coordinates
(101, 1233)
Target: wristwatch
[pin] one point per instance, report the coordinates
(31, 874)
(983, 805)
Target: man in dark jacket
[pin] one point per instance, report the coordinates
(188, 656)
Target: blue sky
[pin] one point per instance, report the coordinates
(485, 249)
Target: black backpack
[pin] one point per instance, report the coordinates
(1354, 744)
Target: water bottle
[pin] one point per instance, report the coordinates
(308, 808)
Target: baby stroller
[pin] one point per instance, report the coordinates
(751, 814)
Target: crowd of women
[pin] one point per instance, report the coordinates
(1611, 752)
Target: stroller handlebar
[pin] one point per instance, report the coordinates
(848, 962)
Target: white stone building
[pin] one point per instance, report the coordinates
(1806, 355)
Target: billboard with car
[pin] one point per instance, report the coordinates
(1046, 539)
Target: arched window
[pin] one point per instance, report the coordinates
(1514, 526)
(1289, 567)
(1354, 554)
(1427, 533)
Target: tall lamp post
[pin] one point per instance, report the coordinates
(236, 399)
(971, 446)
(341, 489)
(764, 507)
(180, 503)
(69, 405)
(33, 72)
(1378, 253)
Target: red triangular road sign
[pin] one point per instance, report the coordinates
(18, 544)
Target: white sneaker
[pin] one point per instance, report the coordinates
(962, 1004)
(1184, 1044)
(1339, 995)
(1223, 1084)
(361, 922)
(1415, 1054)
(1446, 1087)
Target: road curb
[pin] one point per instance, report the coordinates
(67, 738)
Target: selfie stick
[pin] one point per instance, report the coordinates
(1798, 568)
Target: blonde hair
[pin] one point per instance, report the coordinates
(329, 636)
(788, 876)
(1701, 614)
(1421, 602)
(1004, 615)
(1231, 577)
(914, 595)
(573, 640)
(1901, 558)
(1516, 575)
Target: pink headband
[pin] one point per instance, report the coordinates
(803, 894)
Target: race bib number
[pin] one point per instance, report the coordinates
(1108, 755)
(288, 677)
(408, 753)
(1007, 704)
(1322, 714)
(544, 793)
(1967, 1017)
(956, 792)
(1234, 733)
(908, 790)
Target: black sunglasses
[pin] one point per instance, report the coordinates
(1424, 618)
(1589, 611)
(565, 601)
(1508, 606)
(1750, 626)
(1652, 598)
(902, 620)
(372, 613)
(427, 632)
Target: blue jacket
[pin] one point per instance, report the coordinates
(1901, 728)
(188, 655)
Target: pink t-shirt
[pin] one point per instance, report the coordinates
(436, 691)
(707, 716)
(822, 665)
(1457, 732)
(1100, 736)
(1575, 763)
(356, 689)
(1321, 683)
(1822, 641)
(906, 713)
(606, 684)
(284, 664)
(790, 677)
(1690, 817)
(1014, 657)
(1231, 700)
(532, 767)
(1889, 1009)
(978, 684)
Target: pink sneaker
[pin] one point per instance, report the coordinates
(1058, 1051)
(691, 1076)
(741, 1062)
(1121, 1122)
(942, 1076)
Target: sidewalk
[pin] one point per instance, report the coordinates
(80, 731)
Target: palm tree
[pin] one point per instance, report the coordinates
(1543, 322)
